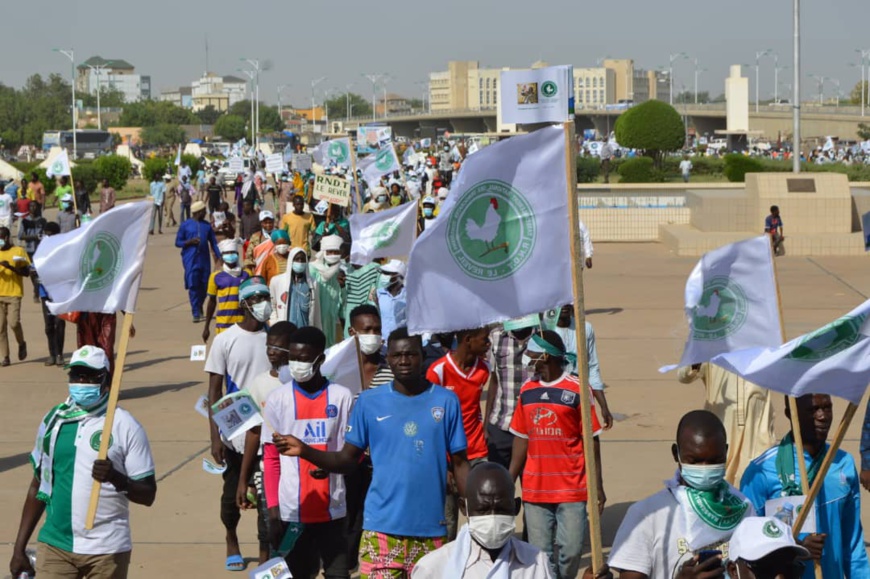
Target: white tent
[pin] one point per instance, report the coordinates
(8, 172)
(52, 155)
(193, 149)
(124, 151)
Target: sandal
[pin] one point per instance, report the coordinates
(235, 563)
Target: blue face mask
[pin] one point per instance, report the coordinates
(231, 258)
(703, 477)
(428, 212)
(85, 395)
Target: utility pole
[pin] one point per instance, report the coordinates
(758, 56)
(280, 88)
(347, 99)
(71, 55)
(314, 83)
(251, 75)
(865, 55)
(374, 78)
(796, 90)
(256, 64)
(98, 70)
(698, 71)
(672, 58)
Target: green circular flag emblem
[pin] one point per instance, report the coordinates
(829, 340)
(385, 235)
(96, 438)
(721, 310)
(549, 89)
(101, 262)
(384, 160)
(771, 530)
(57, 167)
(492, 231)
(338, 152)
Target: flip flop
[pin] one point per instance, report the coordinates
(235, 563)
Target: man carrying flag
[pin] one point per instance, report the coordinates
(839, 541)
(65, 461)
(194, 238)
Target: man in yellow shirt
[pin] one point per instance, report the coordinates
(14, 267)
(299, 225)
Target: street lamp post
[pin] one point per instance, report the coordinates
(820, 80)
(386, 78)
(672, 58)
(837, 93)
(776, 70)
(327, 93)
(865, 58)
(251, 74)
(280, 88)
(347, 98)
(698, 71)
(98, 70)
(424, 84)
(374, 78)
(256, 122)
(314, 83)
(71, 55)
(758, 56)
(796, 90)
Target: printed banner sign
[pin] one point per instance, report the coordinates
(332, 189)
(538, 95)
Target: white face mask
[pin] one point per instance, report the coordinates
(491, 531)
(233, 271)
(331, 259)
(261, 311)
(282, 249)
(369, 343)
(301, 371)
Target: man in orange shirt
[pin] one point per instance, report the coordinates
(299, 225)
(465, 372)
(36, 191)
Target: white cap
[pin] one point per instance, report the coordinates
(89, 357)
(395, 266)
(443, 192)
(266, 215)
(228, 246)
(757, 537)
(331, 243)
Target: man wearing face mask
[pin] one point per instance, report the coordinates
(276, 262)
(223, 291)
(427, 212)
(315, 411)
(664, 535)
(326, 273)
(65, 465)
(67, 217)
(548, 452)
(14, 267)
(195, 237)
(392, 298)
(260, 244)
(764, 548)
(838, 543)
(237, 356)
(380, 200)
(485, 546)
(294, 293)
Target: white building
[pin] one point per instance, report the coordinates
(98, 73)
(221, 92)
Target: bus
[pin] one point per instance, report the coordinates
(89, 142)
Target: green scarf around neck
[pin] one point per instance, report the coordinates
(785, 467)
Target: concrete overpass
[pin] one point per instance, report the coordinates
(772, 121)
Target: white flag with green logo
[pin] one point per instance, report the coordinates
(835, 360)
(389, 233)
(731, 302)
(334, 152)
(60, 166)
(378, 164)
(499, 248)
(97, 267)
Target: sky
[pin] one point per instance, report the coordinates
(408, 39)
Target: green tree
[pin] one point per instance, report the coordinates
(864, 131)
(209, 115)
(114, 168)
(150, 113)
(270, 120)
(110, 97)
(855, 95)
(231, 127)
(164, 134)
(688, 97)
(241, 109)
(338, 106)
(654, 126)
(158, 166)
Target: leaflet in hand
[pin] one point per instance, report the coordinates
(235, 414)
(272, 569)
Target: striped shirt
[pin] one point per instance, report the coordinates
(224, 287)
(505, 360)
(359, 286)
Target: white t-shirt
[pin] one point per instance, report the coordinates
(7, 205)
(262, 386)
(130, 454)
(685, 166)
(651, 539)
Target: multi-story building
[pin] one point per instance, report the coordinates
(98, 73)
(179, 96)
(221, 92)
(651, 85)
(594, 87)
(623, 70)
(394, 105)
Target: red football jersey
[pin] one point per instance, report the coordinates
(468, 387)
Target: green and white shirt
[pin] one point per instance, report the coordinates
(75, 451)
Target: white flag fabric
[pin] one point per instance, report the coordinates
(96, 268)
(731, 302)
(410, 156)
(389, 233)
(340, 365)
(60, 166)
(336, 151)
(381, 163)
(834, 359)
(499, 248)
(178, 157)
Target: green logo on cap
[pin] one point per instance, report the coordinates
(771, 530)
(492, 231)
(721, 310)
(549, 89)
(829, 340)
(100, 262)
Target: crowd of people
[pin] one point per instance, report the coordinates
(444, 424)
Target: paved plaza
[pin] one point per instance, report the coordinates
(634, 300)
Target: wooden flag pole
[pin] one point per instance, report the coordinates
(353, 172)
(793, 410)
(823, 470)
(583, 358)
(110, 414)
